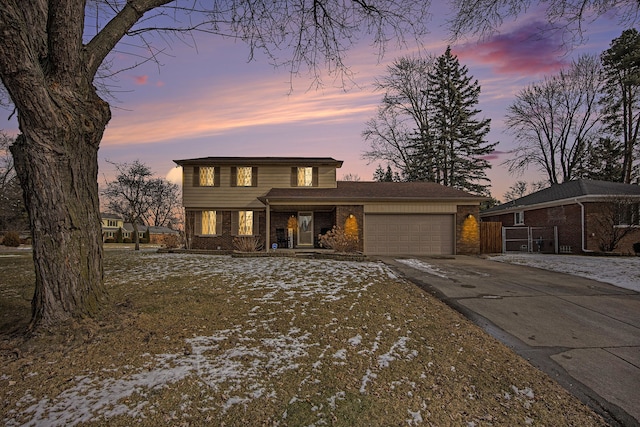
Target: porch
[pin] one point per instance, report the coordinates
(298, 227)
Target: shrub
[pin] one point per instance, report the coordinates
(126, 240)
(109, 240)
(171, 241)
(247, 244)
(11, 239)
(636, 248)
(338, 240)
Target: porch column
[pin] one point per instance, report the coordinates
(267, 238)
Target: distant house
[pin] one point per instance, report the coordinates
(286, 202)
(113, 224)
(574, 217)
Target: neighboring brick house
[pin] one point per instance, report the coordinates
(289, 201)
(586, 215)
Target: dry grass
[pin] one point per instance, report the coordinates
(213, 340)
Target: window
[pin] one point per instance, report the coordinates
(627, 214)
(208, 222)
(305, 177)
(518, 218)
(112, 223)
(245, 223)
(207, 176)
(243, 177)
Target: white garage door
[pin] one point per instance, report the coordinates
(409, 234)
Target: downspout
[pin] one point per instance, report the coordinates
(582, 227)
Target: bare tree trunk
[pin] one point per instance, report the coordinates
(56, 162)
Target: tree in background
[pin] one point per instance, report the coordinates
(621, 102)
(50, 65)
(165, 206)
(131, 194)
(604, 160)
(553, 121)
(13, 216)
(142, 199)
(426, 126)
(402, 115)
(387, 175)
(457, 137)
(523, 188)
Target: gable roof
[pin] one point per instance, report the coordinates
(568, 192)
(261, 161)
(351, 191)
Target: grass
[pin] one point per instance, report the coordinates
(197, 340)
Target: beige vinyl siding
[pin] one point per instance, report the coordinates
(227, 197)
(411, 208)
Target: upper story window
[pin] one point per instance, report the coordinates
(206, 176)
(304, 177)
(244, 176)
(518, 218)
(112, 223)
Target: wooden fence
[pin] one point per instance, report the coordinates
(490, 237)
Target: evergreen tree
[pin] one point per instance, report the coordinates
(381, 175)
(621, 63)
(458, 136)
(604, 161)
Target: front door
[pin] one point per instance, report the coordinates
(305, 229)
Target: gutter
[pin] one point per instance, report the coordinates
(582, 227)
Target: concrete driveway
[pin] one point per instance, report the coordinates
(584, 334)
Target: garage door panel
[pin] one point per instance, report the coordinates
(391, 234)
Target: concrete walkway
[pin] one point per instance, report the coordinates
(584, 334)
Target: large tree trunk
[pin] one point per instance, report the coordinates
(56, 162)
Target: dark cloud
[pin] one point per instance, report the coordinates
(535, 48)
(494, 155)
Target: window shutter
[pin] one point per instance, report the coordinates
(219, 216)
(314, 179)
(294, 177)
(254, 176)
(197, 227)
(256, 232)
(234, 222)
(234, 176)
(196, 176)
(216, 177)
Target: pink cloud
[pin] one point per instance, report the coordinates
(535, 48)
(141, 80)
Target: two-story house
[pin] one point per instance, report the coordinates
(288, 201)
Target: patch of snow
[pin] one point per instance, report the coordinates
(423, 266)
(354, 341)
(416, 418)
(623, 272)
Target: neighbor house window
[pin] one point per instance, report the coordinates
(112, 223)
(207, 176)
(627, 214)
(518, 218)
(209, 222)
(245, 223)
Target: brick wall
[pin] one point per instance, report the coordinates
(223, 241)
(467, 230)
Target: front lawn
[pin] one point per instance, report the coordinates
(214, 340)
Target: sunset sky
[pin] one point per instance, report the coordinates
(211, 101)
